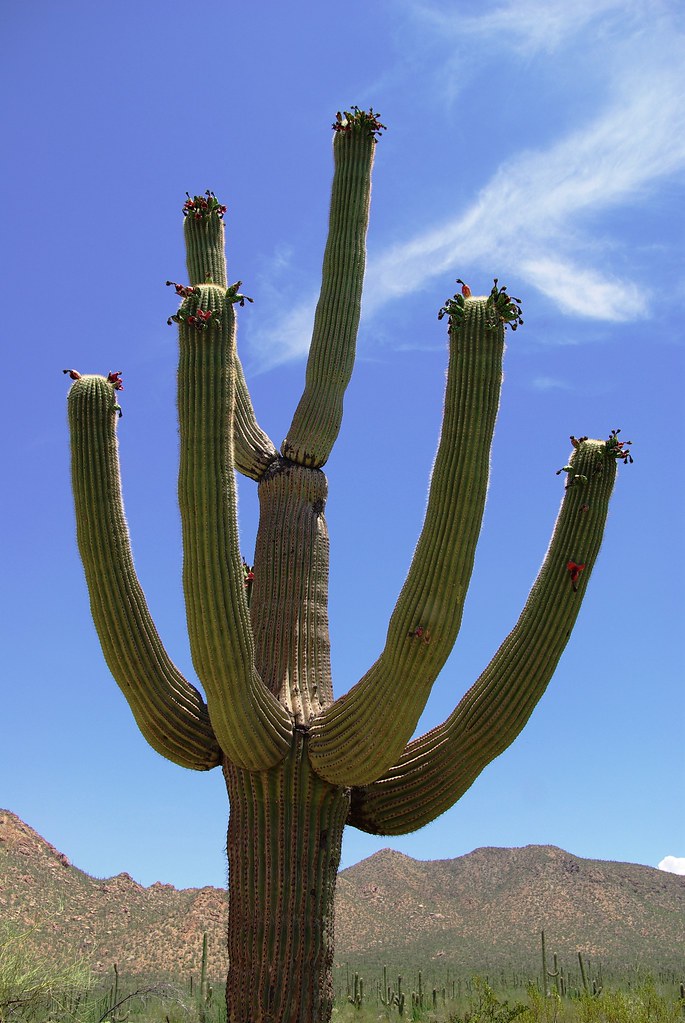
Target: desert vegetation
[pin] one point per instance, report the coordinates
(36, 990)
(75, 949)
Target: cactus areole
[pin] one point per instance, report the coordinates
(299, 764)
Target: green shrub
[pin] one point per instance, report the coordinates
(34, 987)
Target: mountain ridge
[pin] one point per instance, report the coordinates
(477, 912)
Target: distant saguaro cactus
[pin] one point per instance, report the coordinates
(299, 764)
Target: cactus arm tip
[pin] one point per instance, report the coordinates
(169, 711)
(318, 417)
(437, 768)
(252, 727)
(353, 742)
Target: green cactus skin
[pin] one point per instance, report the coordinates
(169, 711)
(252, 727)
(206, 262)
(436, 769)
(290, 592)
(298, 764)
(284, 838)
(354, 741)
(317, 420)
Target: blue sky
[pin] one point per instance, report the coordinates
(536, 141)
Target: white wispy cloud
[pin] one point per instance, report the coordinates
(550, 384)
(534, 25)
(539, 214)
(673, 864)
(532, 212)
(281, 338)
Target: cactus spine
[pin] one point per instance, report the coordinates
(298, 763)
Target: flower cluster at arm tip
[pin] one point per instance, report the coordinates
(617, 448)
(201, 206)
(190, 311)
(356, 121)
(500, 307)
(113, 378)
(613, 448)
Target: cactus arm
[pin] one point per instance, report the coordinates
(436, 769)
(254, 451)
(206, 262)
(355, 740)
(318, 416)
(169, 711)
(252, 727)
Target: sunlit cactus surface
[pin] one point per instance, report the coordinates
(300, 764)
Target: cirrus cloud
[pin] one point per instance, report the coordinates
(556, 215)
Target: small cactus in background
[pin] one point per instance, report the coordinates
(356, 998)
(299, 765)
(205, 988)
(554, 974)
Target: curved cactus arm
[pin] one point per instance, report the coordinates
(169, 711)
(318, 416)
(436, 769)
(355, 740)
(254, 451)
(204, 234)
(252, 727)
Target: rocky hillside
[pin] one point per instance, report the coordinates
(485, 911)
(476, 913)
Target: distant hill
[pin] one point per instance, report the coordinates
(484, 911)
(476, 914)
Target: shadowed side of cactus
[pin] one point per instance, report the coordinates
(299, 764)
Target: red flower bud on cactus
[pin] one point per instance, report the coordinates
(184, 290)
(115, 380)
(72, 374)
(574, 571)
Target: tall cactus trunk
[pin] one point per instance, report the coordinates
(298, 763)
(284, 837)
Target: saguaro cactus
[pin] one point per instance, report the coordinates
(300, 765)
